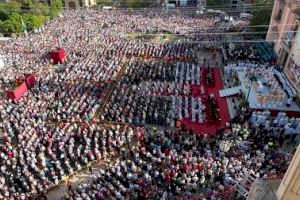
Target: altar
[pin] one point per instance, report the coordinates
(262, 96)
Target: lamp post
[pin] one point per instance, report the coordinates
(24, 25)
(252, 77)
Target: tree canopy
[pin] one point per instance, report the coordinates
(262, 15)
(55, 7)
(102, 3)
(29, 14)
(218, 4)
(137, 3)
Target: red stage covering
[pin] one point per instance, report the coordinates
(204, 75)
(30, 80)
(18, 92)
(210, 128)
(58, 56)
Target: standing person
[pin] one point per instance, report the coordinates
(90, 168)
(69, 185)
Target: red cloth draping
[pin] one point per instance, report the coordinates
(18, 92)
(30, 80)
(10, 94)
(58, 56)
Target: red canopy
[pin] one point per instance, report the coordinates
(58, 56)
(18, 92)
(30, 80)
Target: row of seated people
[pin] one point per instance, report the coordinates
(132, 105)
(139, 107)
(165, 88)
(179, 51)
(151, 70)
(188, 107)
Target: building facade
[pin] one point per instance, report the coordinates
(177, 3)
(284, 33)
(289, 188)
(241, 5)
(75, 4)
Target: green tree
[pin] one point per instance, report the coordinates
(33, 13)
(137, 3)
(15, 20)
(40, 9)
(11, 26)
(218, 4)
(102, 3)
(262, 15)
(7, 27)
(56, 7)
(7, 8)
(33, 21)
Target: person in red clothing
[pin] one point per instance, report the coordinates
(167, 152)
(186, 168)
(168, 179)
(10, 154)
(69, 185)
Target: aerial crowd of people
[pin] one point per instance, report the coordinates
(66, 120)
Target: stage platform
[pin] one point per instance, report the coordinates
(253, 104)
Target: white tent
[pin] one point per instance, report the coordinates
(107, 8)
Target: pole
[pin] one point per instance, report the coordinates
(251, 81)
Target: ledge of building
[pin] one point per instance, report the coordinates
(264, 189)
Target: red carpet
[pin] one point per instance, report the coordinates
(209, 128)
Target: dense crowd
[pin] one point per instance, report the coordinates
(156, 92)
(49, 133)
(31, 130)
(175, 163)
(39, 159)
(291, 125)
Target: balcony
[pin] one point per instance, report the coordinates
(297, 12)
(287, 40)
(273, 33)
(278, 16)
